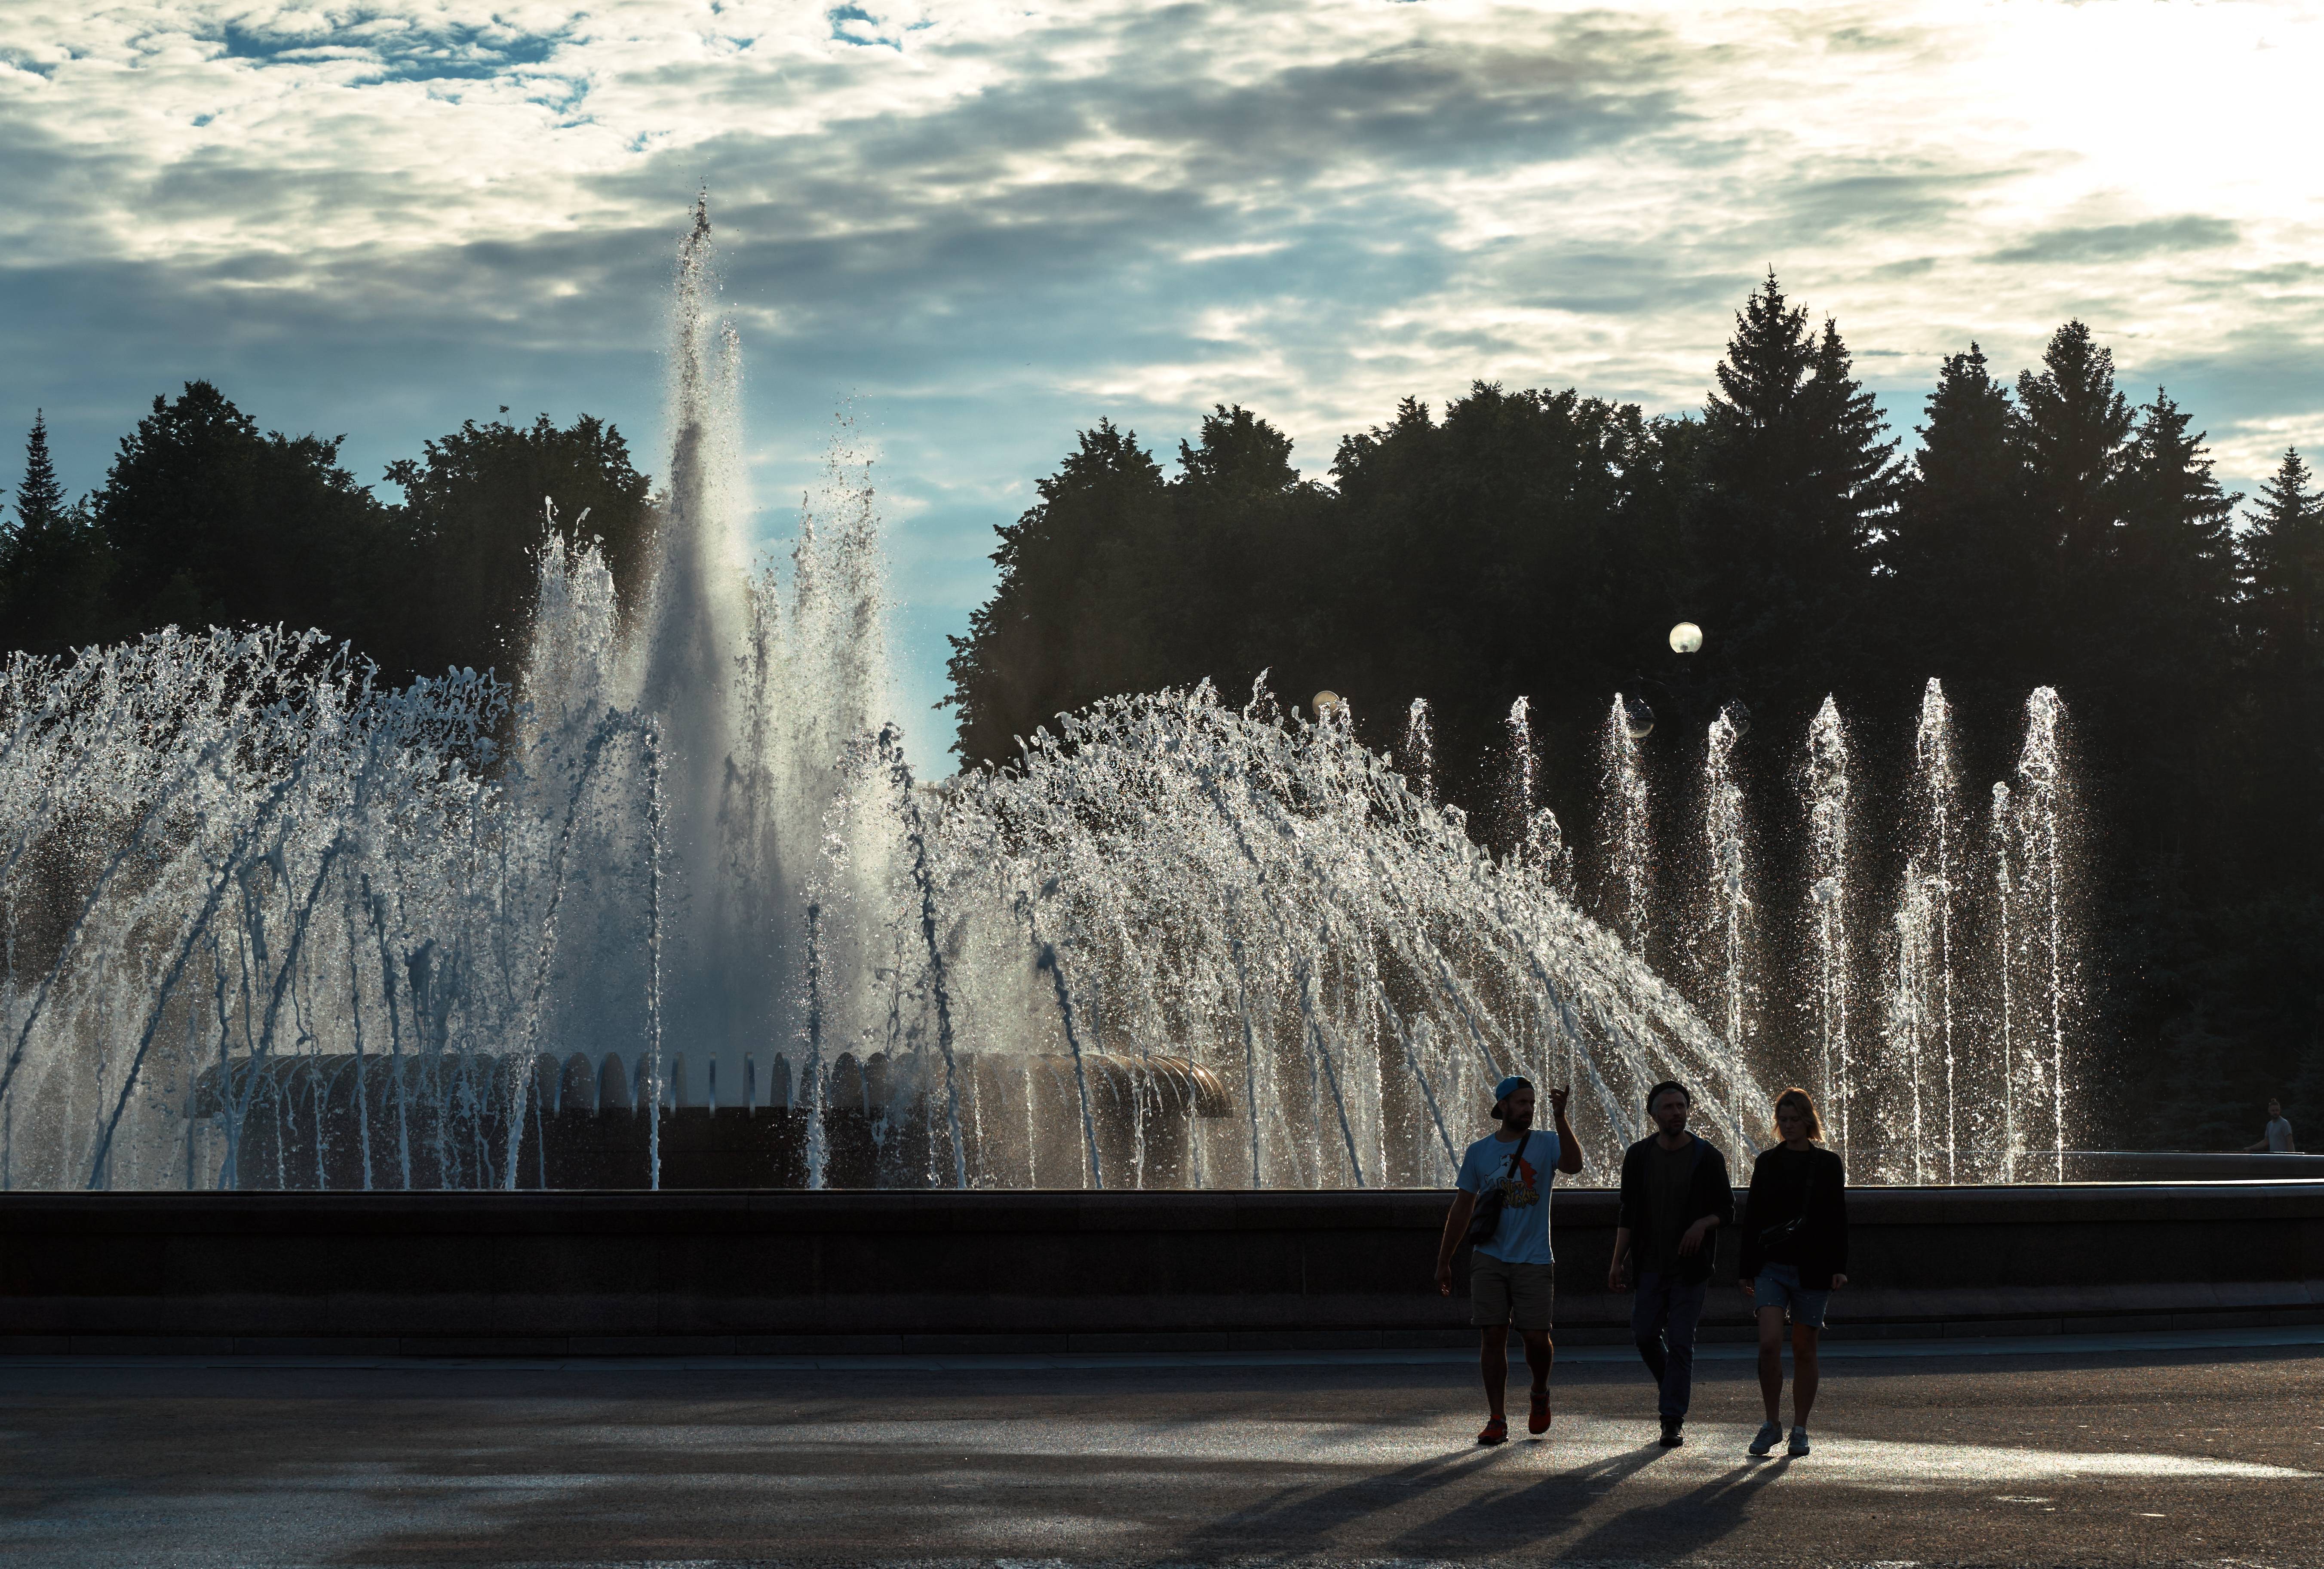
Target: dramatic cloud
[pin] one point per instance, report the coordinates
(994, 223)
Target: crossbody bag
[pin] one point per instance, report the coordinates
(1487, 1217)
(1781, 1232)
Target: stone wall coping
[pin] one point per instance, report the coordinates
(25, 1214)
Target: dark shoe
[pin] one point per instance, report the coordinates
(1494, 1431)
(1537, 1420)
(1672, 1436)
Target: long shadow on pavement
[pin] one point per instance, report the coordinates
(1515, 1517)
(1297, 1515)
(1671, 1527)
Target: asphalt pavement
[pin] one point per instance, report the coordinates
(2185, 1449)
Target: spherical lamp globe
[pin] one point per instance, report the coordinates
(1330, 705)
(1686, 638)
(1638, 719)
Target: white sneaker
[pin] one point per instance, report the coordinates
(1799, 1444)
(1770, 1434)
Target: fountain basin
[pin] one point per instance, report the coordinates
(562, 1274)
(339, 1123)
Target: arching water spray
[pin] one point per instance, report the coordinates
(1420, 750)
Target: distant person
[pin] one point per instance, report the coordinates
(2277, 1140)
(1675, 1194)
(1794, 1256)
(1510, 1274)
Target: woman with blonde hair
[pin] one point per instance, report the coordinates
(1794, 1256)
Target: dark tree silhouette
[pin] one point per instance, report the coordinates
(1795, 481)
(474, 518)
(1965, 562)
(53, 564)
(209, 520)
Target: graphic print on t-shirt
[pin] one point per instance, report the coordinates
(1523, 1187)
(1522, 1235)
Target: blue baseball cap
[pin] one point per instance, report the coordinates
(1509, 1086)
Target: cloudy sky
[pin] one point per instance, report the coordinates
(992, 224)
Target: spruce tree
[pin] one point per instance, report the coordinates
(2175, 569)
(1797, 480)
(2283, 637)
(53, 565)
(39, 499)
(2284, 560)
(1964, 559)
(2076, 428)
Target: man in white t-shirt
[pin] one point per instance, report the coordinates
(2277, 1140)
(1510, 1274)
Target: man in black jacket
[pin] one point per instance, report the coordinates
(1675, 1194)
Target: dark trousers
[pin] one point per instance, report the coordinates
(1662, 1322)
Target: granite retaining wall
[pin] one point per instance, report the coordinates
(764, 1272)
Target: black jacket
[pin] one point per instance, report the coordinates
(1820, 1248)
(1709, 1193)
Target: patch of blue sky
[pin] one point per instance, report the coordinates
(853, 24)
(31, 64)
(394, 49)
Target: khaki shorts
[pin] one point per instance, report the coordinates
(1502, 1294)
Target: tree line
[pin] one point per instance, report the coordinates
(2049, 530)
(204, 520)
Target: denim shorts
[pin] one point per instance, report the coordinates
(1778, 1286)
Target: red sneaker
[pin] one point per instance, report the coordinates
(1538, 1421)
(1494, 1431)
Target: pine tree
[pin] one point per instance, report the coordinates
(2174, 565)
(1964, 559)
(1796, 481)
(2284, 560)
(53, 565)
(2177, 535)
(2283, 616)
(2075, 427)
(39, 499)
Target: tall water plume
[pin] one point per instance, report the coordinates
(1727, 907)
(1626, 821)
(1824, 798)
(2000, 826)
(1934, 833)
(694, 628)
(1540, 840)
(2043, 910)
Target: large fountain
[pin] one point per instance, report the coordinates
(673, 909)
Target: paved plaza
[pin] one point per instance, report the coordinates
(2187, 1449)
